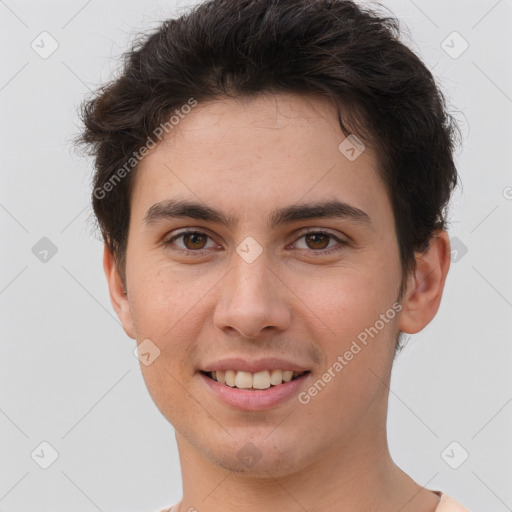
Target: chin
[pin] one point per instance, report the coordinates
(259, 454)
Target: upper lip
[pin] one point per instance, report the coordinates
(253, 366)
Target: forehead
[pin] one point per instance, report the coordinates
(274, 117)
(254, 152)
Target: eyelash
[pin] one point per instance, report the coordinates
(201, 252)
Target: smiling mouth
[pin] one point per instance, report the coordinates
(254, 381)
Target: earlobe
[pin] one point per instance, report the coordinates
(425, 286)
(118, 295)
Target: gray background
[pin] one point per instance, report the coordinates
(68, 375)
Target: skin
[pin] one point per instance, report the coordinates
(247, 157)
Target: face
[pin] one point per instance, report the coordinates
(313, 290)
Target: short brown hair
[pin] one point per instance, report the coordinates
(332, 48)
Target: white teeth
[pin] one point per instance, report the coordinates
(261, 380)
(243, 380)
(229, 377)
(276, 377)
(258, 380)
(287, 375)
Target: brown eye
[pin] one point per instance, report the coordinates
(318, 240)
(190, 242)
(196, 240)
(319, 243)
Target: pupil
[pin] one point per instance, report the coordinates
(194, 236)
(317, 235)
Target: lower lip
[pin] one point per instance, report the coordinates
(259, 400)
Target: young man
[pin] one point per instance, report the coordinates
(271, 184)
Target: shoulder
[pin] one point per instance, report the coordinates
(447, 504)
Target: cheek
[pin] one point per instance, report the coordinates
(357, 324)
(344, 301)
(358, 350)
(168, 309)
(164, 298)
(169, 391)
(164, 310)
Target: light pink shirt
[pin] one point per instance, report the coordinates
(446, 504)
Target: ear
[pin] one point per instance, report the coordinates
(118, 295)
(425, 286)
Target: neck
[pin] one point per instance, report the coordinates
(358, 475)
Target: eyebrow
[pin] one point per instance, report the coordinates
(172, 209)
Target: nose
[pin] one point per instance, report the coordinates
(252, 298)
